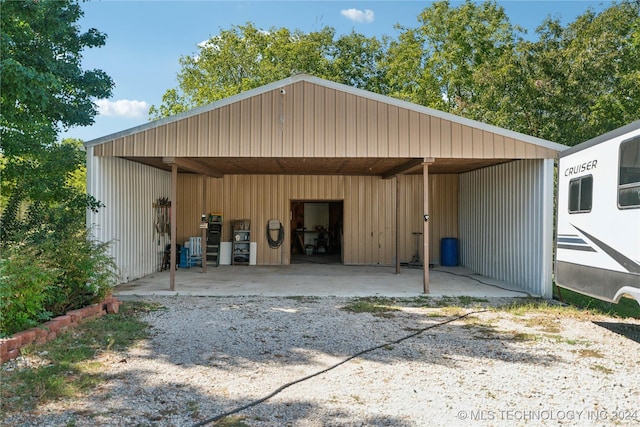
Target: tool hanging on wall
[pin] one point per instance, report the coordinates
(162, 222)
(273, 225)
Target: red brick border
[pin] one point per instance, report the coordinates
(10, 347)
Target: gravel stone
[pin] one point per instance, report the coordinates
(209, 355)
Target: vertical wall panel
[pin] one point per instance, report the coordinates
(270, 118)
(224, 133)
(369, 210)
(341, 125)
(191, 207)
(403, 132)
(171, 141)
(383, 130)
(242, 124)
(329, 130)
(297, 123)
(443, 147)
(425, 140)
(392, 141)
(414, 134)
(445, 139)
(350, 126)
(487, 145)
(467, 142)
(477, 149)
(161, 134)
(411, 207)
(443, 212)
(118, 145)
(318, 142)
(128, 191)
(360, 121)
(190, 143)
(256, 135)
(506, 221)
(308, 122)
(372, 129)
(456, 140)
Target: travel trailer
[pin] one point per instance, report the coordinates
(598, 214)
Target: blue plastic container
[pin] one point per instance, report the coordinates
(449, 252)
(185, 259)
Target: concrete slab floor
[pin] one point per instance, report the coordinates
(319, 280)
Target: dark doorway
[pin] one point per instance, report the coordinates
(316, 231)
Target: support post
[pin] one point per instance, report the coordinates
(204, 230)
(174, 194)
(397, 224)
(425, 231)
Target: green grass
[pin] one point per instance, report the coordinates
(627, 307)
(602, 369)
(67, 366)
(572, 304)
(232, 421)
(375, 305)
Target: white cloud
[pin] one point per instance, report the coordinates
(357, 15)
(122, 108)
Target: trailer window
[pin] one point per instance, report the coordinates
(581, 194)
(629, 174)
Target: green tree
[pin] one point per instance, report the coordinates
(44, 89)
(245, 57)
(356, 60)
(570, 84)
(582, 80)
(445, 61)
(49, 261)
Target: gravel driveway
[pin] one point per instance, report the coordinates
(209, 355)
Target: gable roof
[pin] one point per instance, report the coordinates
(312, 118)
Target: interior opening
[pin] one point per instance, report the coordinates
(316, 231)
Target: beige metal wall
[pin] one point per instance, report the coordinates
(369, 210)
(311, 120)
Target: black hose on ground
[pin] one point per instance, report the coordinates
(484, 283)
(368, 350)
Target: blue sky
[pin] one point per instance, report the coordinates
(146, 38)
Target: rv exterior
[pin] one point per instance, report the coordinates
(598, 243)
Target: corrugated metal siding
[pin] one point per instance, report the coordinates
(128, 191)
(443, 213)
(369, 210)
(505, 222)
(315, 121)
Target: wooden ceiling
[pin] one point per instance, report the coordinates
(385, 167)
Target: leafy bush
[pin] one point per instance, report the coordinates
(86, 272)
(24, 279)
(46, 279)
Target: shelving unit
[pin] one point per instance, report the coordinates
(214, 236)
(241, 242)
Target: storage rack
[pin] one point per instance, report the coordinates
(214, 236)
(241, 242)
